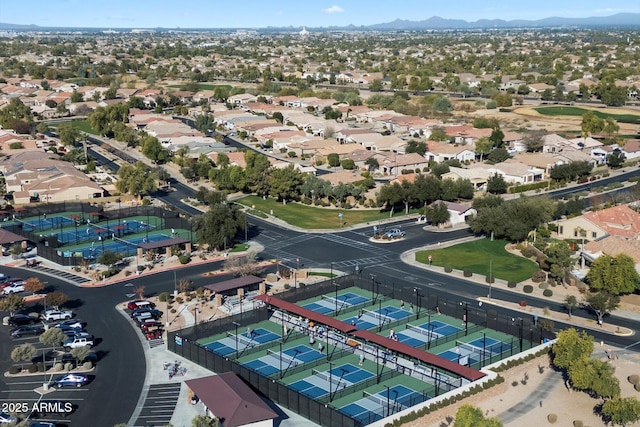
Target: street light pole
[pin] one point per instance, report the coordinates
(373, 281)
(490, 275)
(236, 324)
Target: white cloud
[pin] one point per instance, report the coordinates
(334, 9)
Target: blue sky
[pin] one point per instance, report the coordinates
(264, 13)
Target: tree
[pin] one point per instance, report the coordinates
(559, 258)
(42, 127)
(109, 258)
(205, 123)
(438, 213)
(12, 303)
(591, 124)
(442, 105)
(534, 141)
(218, 225)
(616, 275)
(53, 337)
(621, 410)
(483, 147)
(139, 291)
(136, 180)
(333, 159)
(55, 299)
(498, 155)
(243, 265)
(571, 346)
(204, 421)
(496, 184)
(23, 353)
(80, 353)
(616, 159)
(69, 134)
(602, 303)
(284, 183)
(348, 164)
(610, 127)
(376, 85)
(497, 137)
(570, 302)
(470, 416)
(372, 164)
(152, 148)
(33, 285)
(414, 146)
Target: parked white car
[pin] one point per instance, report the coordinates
(394, 233)
(13, 288)
(51, 315)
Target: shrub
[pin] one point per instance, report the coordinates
(287, 286)
(539, 276)
(14, 370)
(127, 273)
(448, 269)
(41, 367)
(511, 284)
(528, 252)
(527, 289)
(179, 300)
(543, 285)
(552, 418)
(87, 365)
(633, 379)
(173, 311)
(184, 259)
(33, 368)
(58, 367)
(16, 145)
(68, 366)
(577, 423)
(514, 383)
(163, 297)
(490, 279)
(547, 292)
(637, 387)
(467, 273)
(522, 303)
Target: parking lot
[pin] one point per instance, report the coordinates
(159, 405)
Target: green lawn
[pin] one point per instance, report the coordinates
(304, 216)
(576, 111)
(84, 126)
(477, 255)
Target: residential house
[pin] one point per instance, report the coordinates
(394, 164)
(377, 142)
(612, 246)
(631, 149)
(620, 221)
(439, 152)
(458, 213)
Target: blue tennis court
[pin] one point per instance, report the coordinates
(360, 323)
(491, 345)
(231, 342)
(373, 407)
(329, 304)
(274, 361)
(322, 383)
(440, 328)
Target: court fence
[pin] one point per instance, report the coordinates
(525, 334)
(49, 247)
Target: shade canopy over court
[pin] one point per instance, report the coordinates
(423, 356)
(163, 243)
(233, 284)
(307, 314)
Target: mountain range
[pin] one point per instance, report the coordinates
(626, 20)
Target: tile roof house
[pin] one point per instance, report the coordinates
(632, 149)
(440, 152)
(620, 221)
(612, 246)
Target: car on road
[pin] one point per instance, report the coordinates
(394, 233)
(3, 277)
(140, 304)
(71, 380)
(42, 424)
(21, 319)
(13, 288)
(77, 342)
(7, 418)
(51, 315)
(27, 330)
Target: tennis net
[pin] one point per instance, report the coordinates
(429, 334)
(244, 340)
(379, 316)
(336, 302)
(284, 357)
(382, 401)
(471, 348)
(329, 378)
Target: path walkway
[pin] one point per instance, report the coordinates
(534, 399)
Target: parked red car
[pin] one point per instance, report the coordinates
(152, 335)
(139, 304)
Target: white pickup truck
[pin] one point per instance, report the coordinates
(78, 342)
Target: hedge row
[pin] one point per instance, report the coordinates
(528, 187)
(517, 362)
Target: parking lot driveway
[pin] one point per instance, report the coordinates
(159, 405)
